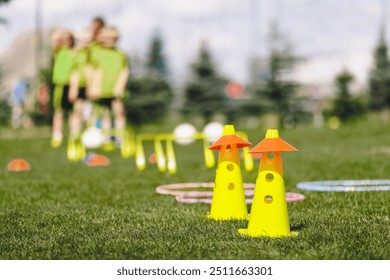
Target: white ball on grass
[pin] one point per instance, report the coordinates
(213, 131)
(184, 133)
(92, 138)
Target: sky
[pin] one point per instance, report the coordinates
(331, 35)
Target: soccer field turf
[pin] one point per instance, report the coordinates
(63, 210)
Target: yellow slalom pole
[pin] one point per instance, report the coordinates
(248, 159)
(171, 159)
(140, 161)
(208, 154)
(161, 161)
(128, 144)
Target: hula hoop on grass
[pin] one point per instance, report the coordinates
(205, 196)
(345, 186)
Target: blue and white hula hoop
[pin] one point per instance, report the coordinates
(345, 186)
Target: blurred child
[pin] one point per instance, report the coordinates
(63, 42)
(108, 81)
(17, 100)
(97, 24)
(78, 85)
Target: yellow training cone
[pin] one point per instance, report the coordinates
(269, 215)
(228, 197)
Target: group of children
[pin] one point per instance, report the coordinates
(92, 69)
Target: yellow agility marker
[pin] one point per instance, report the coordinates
(171, 158)
(269, 215)
(140, 160)
(208, 155)
(75, 150)
(160, 156)
(248, 159)
(128, 144)
(228, 201)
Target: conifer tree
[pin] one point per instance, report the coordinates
(2, 19)
(275, 86)
(156, 60)
(345, 106)
(204, 93)
(150, 89)
(379, 76)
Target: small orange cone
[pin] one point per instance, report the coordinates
(153, 158)
(18, 165)
(97, 160)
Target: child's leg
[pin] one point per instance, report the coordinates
(118, 109)
(16, 119)
(76, 119)
(58, 117)
(106, 124)
(106, 120)
(123, 137)
(76, 150)
(58, 124)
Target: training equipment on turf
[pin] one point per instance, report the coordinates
(184, 133)
(18, 165)
(93, 138)
(183, 192)
(345, 186)
(164, 147)
(127, 144)
(75, 150)
(96, 160)
(269, 215)
(213, 131)
(228, 199)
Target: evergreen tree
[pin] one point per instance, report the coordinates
(149, 100)
(150, 90)
(5, 108)
(277, 88)
(204, 93)
(379, 77)
(345, 106)
(156, 63)
(2, 19)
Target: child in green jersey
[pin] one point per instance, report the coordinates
(78, 96)
(108, 81)
(63, 66)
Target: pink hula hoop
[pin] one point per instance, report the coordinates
(205, 196)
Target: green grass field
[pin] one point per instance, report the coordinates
(62, 210)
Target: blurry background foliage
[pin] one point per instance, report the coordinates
(271, 88)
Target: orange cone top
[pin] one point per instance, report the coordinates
(18, 165)
(229, 138)
(272, 143)
(98, 160)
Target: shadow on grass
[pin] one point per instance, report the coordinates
(298, 227)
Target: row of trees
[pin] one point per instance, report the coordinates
(271, 88)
